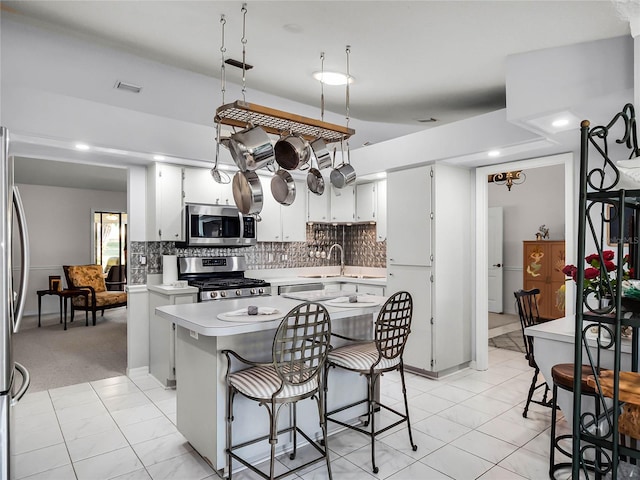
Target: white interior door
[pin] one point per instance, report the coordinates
(495, 259)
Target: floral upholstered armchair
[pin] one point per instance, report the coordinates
(91, 278)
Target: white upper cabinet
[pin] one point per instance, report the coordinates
(165, 205)
(319, 206)
(343, 204)
(381, 211)
(200, 187)
(366, 202)
(282, 223)
(409, 217)
(294, 225)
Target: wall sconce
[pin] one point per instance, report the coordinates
(508, 178)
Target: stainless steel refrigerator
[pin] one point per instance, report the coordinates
(12, 298)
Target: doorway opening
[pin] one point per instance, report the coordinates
(110, 239)
(513, 268)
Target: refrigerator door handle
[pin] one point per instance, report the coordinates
(26, 380)
(25, 260)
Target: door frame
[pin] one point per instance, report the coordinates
(501, 268)
(481, 340)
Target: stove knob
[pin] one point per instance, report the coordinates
(260, 291)
(213, 294)
(253, 291)
(223, 294)
(238, 292)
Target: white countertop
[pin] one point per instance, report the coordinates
(171, 290)
(563, 330)
(203, 317)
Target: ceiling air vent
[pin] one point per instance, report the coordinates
(129, 87)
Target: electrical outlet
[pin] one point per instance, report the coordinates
(143, 260)
(193, 334)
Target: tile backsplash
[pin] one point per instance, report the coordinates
(359, 242)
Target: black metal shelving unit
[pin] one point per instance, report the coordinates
(605, 208)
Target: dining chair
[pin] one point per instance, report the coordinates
(527, 306)
(299, 351)
(373, 358)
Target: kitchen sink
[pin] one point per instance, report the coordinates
(364, 276)
(348, 275)
(331, 275)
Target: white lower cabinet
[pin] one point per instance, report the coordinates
(162, 334)
(416, 280)
(372, 289)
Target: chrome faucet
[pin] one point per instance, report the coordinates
(341, 256)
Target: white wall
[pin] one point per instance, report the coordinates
(60, 228)
(539, 200)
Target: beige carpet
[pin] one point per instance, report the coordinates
(57, 358)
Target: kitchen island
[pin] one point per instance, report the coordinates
(554, 343)
(201, 370)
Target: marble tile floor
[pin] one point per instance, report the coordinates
(467, 426)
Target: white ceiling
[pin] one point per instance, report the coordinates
(411, 60)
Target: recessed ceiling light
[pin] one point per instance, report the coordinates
(493, 153)
(82, 146)
(332, 78)
(556, 122)
(158, 157)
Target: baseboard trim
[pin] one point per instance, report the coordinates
(137, 371)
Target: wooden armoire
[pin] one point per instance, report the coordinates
(543, 262)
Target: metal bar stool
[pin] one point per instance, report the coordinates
(372, 359)
(562, 375)
(299, 352)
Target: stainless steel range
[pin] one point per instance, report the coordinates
(220, 277)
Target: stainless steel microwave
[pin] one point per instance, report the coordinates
(218, 226)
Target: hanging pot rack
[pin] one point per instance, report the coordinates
(244, 114)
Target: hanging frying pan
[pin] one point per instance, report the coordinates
(283, 187)
(247, 192)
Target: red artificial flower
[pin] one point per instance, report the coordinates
(594, 257)
(591, 273)
(608, 255)
(570, 271)
(609, 265)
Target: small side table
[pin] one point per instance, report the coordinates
(63, 295)
(70, 293)
(41, 293)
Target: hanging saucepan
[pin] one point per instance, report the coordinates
(292, 152)
(315, 181)
(247, 192)
(283, 188)
(321, 152)
(251, 148)
(344, 174)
